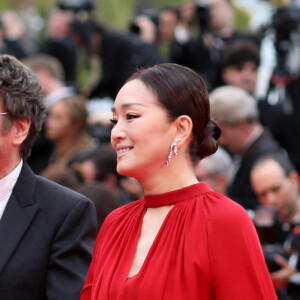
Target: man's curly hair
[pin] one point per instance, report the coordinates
(20, 93)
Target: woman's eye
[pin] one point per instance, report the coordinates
(132, 116)
(113, 121)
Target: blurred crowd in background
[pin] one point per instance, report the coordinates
(252, 77)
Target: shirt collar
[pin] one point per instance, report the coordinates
(8, 182)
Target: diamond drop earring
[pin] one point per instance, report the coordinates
(174, 149)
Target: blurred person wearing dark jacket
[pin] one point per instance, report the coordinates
(180, 45)
(120, 54)
(12, 33)
(59, 44)
(217, 30)
(243, 137)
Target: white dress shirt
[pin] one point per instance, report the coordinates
(6, 186)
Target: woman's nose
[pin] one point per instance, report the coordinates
(118, 132)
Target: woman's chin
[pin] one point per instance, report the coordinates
(122, 170)
(125, 171)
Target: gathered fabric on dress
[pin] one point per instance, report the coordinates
(207, 248)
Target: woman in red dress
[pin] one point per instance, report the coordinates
(183, 241)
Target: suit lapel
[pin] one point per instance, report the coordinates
(18, 214)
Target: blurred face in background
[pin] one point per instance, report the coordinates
(276, 189)
(59, 124)
(221, 14)
(216, 180)
(59, 23)
(232, 137)
(188, 13)
(203, 175)
(167, 24)
(244, 77)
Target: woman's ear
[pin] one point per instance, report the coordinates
(184, 127)
(21, 129)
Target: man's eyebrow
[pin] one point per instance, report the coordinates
(126, 105)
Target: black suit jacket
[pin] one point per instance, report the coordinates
(240, 189)
(46, 239)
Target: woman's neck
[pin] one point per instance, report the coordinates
(173, 178)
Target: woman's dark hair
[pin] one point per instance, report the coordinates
(181, 91)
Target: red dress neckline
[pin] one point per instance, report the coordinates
(175, 196)
(199, 241)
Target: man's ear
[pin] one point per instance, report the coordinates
(295, 178)
(21, 129)
(184, 127)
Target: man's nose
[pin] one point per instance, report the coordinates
(271, 199)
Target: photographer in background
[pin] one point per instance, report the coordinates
(217, 29)
(276, 184)
(279, 81)
(59, 44)
(120, 54)
(172, 37)
(145, 26)
(179, 46)
(12, 34)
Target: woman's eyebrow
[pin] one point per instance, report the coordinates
(126, 105)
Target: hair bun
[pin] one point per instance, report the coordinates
(209, 144)
(212, 130)
(216, 130)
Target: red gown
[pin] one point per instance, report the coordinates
(207, 248)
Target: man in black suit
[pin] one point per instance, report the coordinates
(244, 138)
(46, 231)
(276, 184)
